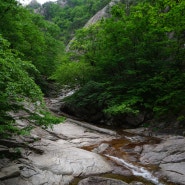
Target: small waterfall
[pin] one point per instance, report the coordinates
(66, 94)
(138, 171)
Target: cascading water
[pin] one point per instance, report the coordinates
(138, 171)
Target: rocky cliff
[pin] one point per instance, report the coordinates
(103, 13)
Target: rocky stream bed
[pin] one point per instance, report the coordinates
(78, 153)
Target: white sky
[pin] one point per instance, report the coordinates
(28, 1)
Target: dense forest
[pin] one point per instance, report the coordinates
(129, 64)
(69, 15)
(31, 47)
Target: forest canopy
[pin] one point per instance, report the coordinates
(138, 58)
(71, 15)
(29, 48)
(128, 64)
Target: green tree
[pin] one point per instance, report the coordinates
(30, 34)
(72, 16)
(15, 85)
(141, 56)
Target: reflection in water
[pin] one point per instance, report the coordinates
(138, 171)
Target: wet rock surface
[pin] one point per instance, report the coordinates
(10, 171)
(53, 156)
(56, 156)
(169, 155)
(77, 149)
(101, 181)
(95, 180)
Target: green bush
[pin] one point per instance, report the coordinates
(15, 85)
(140, 53)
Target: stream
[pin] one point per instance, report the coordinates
(123, 154)
(80, 153)
(137, 171)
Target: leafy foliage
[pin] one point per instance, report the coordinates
(140, 52)
(29, 48)
(72, 73)
(71, 16)
(91, 93)
(34, 38)
(46, 120)
(15, 84)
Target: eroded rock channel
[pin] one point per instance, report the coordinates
(77, 153)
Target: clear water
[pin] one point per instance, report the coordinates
(136, 170)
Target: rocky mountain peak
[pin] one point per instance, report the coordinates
(103, 13)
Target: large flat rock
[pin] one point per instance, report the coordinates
(71, 161)
(61, 158)
(10, 171)
(101, 181)
(169, 155)
(82, 134)
(174, 171)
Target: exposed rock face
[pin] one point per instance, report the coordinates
(71, 161)
(136, 183)
(169, 155)
(54, 104)
(103, 13)
(101, 148)
(10, 171)
(105, 181)
(52, 156)
(101, 181)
